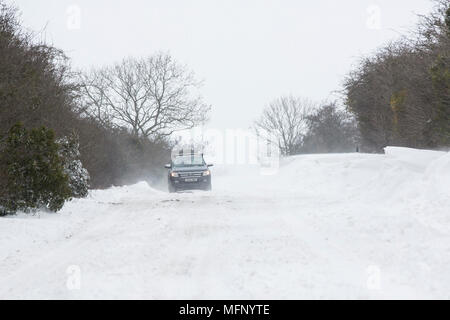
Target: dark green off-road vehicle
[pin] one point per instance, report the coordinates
(189, 172)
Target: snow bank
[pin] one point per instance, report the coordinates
(117, 194)
(416, 175)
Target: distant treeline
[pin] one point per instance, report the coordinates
(400, 96)
(300, 126)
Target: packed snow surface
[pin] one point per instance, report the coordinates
(325, 226)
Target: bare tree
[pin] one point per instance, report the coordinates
(153, 97)
(286, 120)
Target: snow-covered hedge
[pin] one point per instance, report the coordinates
(78, 175)
(37, 171)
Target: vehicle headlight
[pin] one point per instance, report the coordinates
(174, 175)
(206, 173)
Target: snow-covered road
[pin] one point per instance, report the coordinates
(326, 226)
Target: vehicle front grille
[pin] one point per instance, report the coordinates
(190, 174)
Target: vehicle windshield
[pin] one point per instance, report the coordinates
(188, 161)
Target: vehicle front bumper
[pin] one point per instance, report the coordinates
(187, 183)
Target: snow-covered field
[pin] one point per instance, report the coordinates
(326, 226)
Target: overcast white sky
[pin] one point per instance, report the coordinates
(247, 51)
